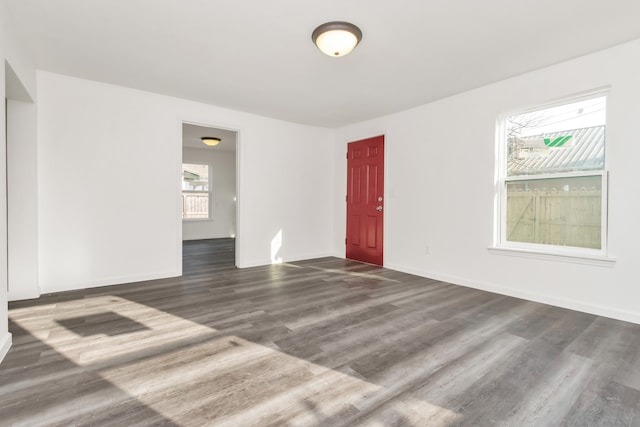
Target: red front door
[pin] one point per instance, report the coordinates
(365, 199)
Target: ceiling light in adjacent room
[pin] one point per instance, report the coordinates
(211, 141)
(336, 38)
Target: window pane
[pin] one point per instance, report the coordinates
(195, 191)
(195, 205)
(565, 138)
(195, 177)
(558, 211)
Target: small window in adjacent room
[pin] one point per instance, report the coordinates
(552, 188)
(196, 191)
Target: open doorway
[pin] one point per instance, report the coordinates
(209, 196)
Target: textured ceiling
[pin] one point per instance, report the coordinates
(257, 56)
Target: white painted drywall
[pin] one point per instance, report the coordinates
(5, 336)
(109, 212)
(223, 204)
(22, 190)
(14, 56)
(440, 167)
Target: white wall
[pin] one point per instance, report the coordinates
(110, 215)
(5, 336)
(22, 188)
(440, 161)
(223, 205)
(11, 53)
(16, 54)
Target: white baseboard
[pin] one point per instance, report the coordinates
(119, 280)
(22, 295)
(5, 345)
(599, 310)
(263, 262)
(338, 254)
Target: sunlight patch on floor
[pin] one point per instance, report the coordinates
(355, 274)
(187, 371)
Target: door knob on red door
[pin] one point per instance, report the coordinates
(379, 208)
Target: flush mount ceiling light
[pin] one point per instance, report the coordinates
(211, 141)
(336, 38)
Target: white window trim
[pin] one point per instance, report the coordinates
(599, 261)
(209, 192)
(501, 246)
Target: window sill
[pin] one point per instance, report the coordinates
(595, 260)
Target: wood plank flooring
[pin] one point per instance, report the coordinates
(325, 342)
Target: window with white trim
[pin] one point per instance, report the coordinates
(552, 187)
(196, 191)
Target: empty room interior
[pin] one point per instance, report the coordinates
(358, 213)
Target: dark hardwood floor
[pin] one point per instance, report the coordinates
(325, 342)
